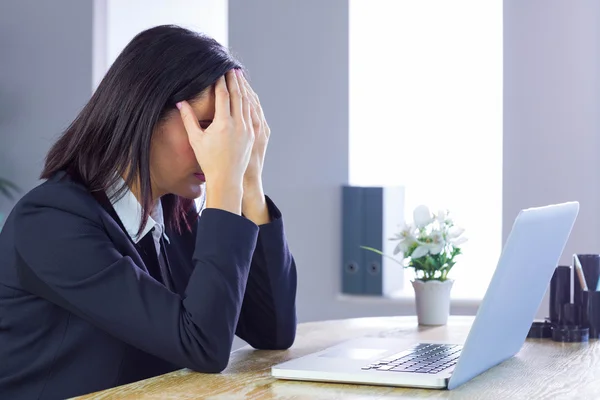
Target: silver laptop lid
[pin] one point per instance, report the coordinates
(530, 255)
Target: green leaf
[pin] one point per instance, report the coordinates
(381, 253)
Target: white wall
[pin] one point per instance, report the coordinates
(552, 111)
(438, 106)
(118, 21)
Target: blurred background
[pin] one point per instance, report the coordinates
(482, 107)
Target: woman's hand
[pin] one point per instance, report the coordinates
(262, 132)
(254, 205)
(223, 149)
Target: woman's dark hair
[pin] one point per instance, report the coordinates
(111, 136)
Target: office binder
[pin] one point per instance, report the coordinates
(383, 213)
(370, 216)
(353, 279)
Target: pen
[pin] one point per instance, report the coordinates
(579, 271)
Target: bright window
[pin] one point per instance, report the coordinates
(426, 113)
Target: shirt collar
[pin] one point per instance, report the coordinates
(129, 211)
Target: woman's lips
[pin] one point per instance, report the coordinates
(200, 176)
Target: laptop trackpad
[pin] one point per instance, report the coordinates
(353, 353)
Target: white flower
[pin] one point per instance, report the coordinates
(420, 251)
(458, 241)
(433, 244)
(454, 236)
(437, 243)
(455, 232)
(432, 234)
(402, 247)
(422, 216)
(406, 238)
(441, 216)
(404, 233)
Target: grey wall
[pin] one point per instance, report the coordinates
(297, 55)
(551, 112)
(45, 77)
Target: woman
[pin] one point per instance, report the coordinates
(109, 274)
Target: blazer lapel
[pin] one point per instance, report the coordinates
(140, 256)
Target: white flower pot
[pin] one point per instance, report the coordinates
(432, 299)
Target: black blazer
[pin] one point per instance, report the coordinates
(80, 311)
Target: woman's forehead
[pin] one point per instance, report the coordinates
(205, 102)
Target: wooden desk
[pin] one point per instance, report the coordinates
(542, 369)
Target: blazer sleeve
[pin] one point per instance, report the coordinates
(268, 316)
(67, 258)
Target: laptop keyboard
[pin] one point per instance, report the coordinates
(423, 358)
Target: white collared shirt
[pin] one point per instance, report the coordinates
(129, 211)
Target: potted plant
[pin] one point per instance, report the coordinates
(6, 189)
(430, 246)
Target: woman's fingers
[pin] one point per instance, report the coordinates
(246, 102)
(235, 96)
(222, 108)
(190, 122)
(256, 118)
(257, 113)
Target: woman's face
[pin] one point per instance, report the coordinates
(173, 164)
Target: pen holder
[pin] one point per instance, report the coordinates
(571, 315)
(565, 322)
(578, 321)
(570, 334)
(591, 312)
(560, 294)
(590, 264)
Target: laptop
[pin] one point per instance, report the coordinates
(523, 273)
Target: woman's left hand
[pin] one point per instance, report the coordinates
(262, 132)
(254, 205)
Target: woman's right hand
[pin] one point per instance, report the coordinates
(223, 149)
